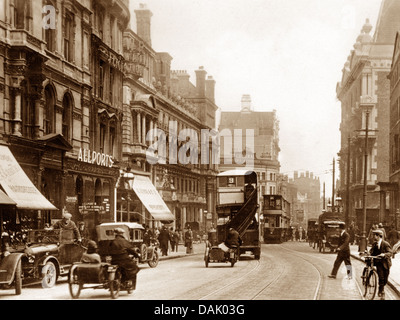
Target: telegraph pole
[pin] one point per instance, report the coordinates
(363, 240)
(333, 185)
(347, 212)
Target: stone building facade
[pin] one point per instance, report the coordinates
(364, 92)
(79, 91)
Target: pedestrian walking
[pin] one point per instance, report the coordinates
(177, 237)
(189, 240)
(297, 234)
(382, 249)
(343, 254)
(172, 239)
(163, 237)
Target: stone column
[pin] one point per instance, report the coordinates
(17, 112)
(139, 131)
(143, 129)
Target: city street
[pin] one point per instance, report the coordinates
(288, 271)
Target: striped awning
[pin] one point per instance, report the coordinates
(18, 186)
(6, 200)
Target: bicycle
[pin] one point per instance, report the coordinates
(370, 277)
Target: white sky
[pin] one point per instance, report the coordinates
(287, 54)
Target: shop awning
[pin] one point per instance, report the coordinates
(6, 200)
(18, 186)
(150, 198)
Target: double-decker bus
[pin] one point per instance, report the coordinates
(237, 204)
(276, 219)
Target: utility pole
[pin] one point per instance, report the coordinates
(347, 212)
(323, 198)
(333, 185)
(363, 240)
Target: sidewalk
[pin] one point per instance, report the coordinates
(394, 275)
(197, 248)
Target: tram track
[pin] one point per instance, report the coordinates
(251, 277)
(237, 280)
(354, 275)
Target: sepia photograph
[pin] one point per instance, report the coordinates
(199, 158)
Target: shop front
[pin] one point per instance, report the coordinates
(145, 204)
(89, 189)
(21, 204)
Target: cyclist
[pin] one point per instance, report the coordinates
(382, 249)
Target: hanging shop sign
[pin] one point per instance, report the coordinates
(93, 157)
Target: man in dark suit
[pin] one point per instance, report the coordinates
(343, 253)
(382, 249)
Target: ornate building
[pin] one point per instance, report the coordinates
(60, 102)
(79, 95)
(364, 94)
(160, 100)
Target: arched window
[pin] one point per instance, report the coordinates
(66, 117)
(49, 114)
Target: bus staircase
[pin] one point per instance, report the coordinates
(242, 220)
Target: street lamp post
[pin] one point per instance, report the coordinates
(363, 240)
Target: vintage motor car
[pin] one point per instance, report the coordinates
(49, 254)
(134, 233)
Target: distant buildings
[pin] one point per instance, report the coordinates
(262, 157)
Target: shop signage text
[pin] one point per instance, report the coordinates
(93, 157)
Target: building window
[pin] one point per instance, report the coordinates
(112, 140)
(66, 117)
(69, 37)
(101, 79)
(111, 85)
(48, 115)
(102, 136)
(23, 14)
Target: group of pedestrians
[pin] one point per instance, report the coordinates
(170, 239)
(380, 248)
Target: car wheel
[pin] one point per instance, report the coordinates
(18, 278)
(49, 274)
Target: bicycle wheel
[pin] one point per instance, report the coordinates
(371, 285)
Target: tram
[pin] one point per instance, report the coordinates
(276, 219)
(237, 204)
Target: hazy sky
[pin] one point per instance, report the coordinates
(287, 54)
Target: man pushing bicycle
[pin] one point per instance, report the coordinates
(382, 249)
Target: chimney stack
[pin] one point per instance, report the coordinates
(210, 88)
(201, 82)
(143, 22)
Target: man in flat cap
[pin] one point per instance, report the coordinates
(120, 249)
(343, 255)
(67, 224)
(382, 249)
